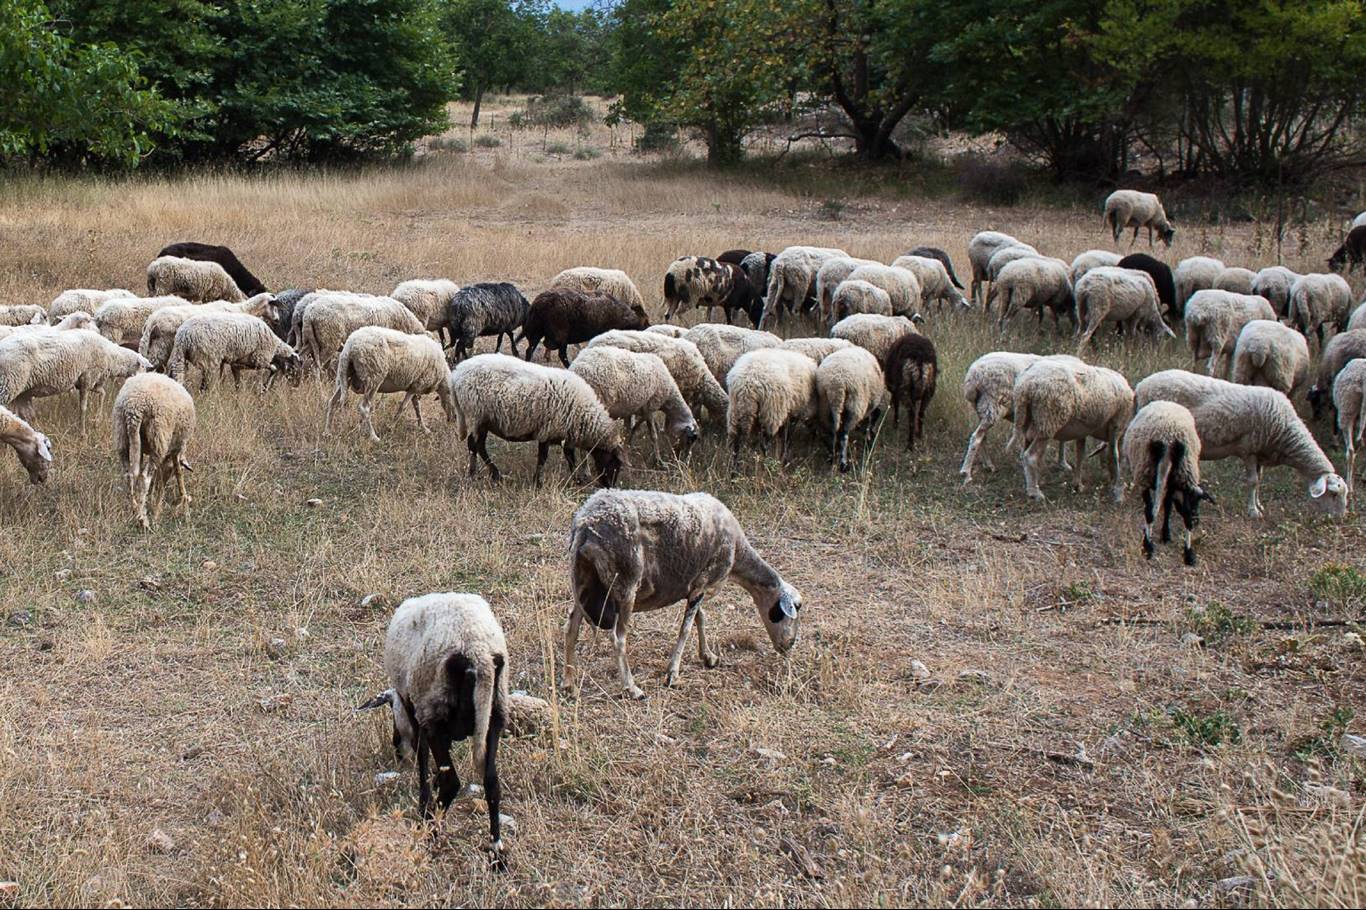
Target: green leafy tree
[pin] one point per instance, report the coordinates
(496, 41)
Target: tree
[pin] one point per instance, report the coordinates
(495, 41)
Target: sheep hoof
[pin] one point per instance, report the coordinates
(711, 660)
(671, 679)
(1037, 496)
(1189, 555)
(635, 692)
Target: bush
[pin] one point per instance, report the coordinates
(557, 148)
(586, 153)
(558, 111)
(658, 137)
(486, 141)
(990, 182)
(449, 144)
(1339, 584)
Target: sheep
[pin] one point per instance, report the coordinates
(1033, 283)
(900, 284)
(1274, 284)
(734, 257)
(158, 332)
(33, 449)
(769, 389)
(634, 386)
(1358, 221)
(154, 419)
(208, 252)
(874, 333)
(816, 348)
(211, 341)
(632, 551)
(934, 252)
(375, 360)
(1090, 259)
(982, 246)
(564, 316)
(829, 276)
(1006, 255)
(1349, 392)
(122, 320)
(447, 663)
(44, 363)
(428, 299)
(1336, 354)
(696, 281)
(1351, 252)
(613, 282)
(1114, 294)
(330, 319)
(912, 375)
(192, 279)
(936, 282)
(722, 345)
(22, 314)
(280, 316)
(1196, 273)
(1161, 274)
(1056, 399)
(294, 323)
(859, 296)
(989, 387)
(669, 329)
(849, 389)
(1130, 208)
(519, 402)
(1319, 301)
(757, 267)
(74, 320)
(81, 300)
(1255, 424)
(1271, 354)
(1235, 279)
(685, 362)
(792, 279)
(1358, 318)
(1162, 449)
(487, 308)
(1213, 320)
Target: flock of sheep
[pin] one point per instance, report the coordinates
(631, 551)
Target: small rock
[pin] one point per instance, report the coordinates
(1353, 745)
(1192, 640)
(919, 671)
(20, 618)
(313, 503)
(215, 818)
(771, 754)
(208, 565)
(508, 822)
(85, 596)
(276, 647)
(974, 677)
(62, 574)
(277, 702)
(384, 778)
(160, 842)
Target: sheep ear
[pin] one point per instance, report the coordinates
(1319, 487)
(384, 698)
(44, 448)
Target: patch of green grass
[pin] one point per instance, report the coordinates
(557, 148)
(1212, 729)
(1339, 584)
(486, 141)
(1077, 592)
(1215, 621)
(586, 153)
(1325, 743)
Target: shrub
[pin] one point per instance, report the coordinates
(558, 111)
(586, 153)
(449, 144)
(1207, 729)
(990, 182)
(487, 141)
(1339, 584)
(658, 137)
(557, 148)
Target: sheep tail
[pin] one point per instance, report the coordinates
(344, 377)
(590, 593)
(1168, 459)
(1022, 422)
(485, 689)
(132, 430)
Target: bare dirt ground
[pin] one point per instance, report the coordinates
(1097, 729)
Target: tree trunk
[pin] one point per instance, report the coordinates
(478, 100)
(723, 145)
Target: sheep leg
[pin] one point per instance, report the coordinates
(568, 682)
(447, 778)
(1148, 517)
(689, 617)
(479, 446)
(1254, 482)
(366, 409)
(144, 486)
(236, 376)
(184, 501)
(1190, 517)
(974, 444)
(1029, 458)
(338, 398)
(564, 355)
(84, 395)
(1079, 462)
(424, 787)
(1350, 454)
(493, 790)
(417, 410)
(628, 683)
(542, 453)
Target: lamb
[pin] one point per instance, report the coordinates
(154, 418)
(874, 333)
(695, 281)
(849, 389)
(769, 390)
(1349, 394)
(1274, 283)
(486, 308)
(329, 320)
(1114, 294)
(936, 282)
(934, 252)
(989, 387)
(1255, 424)
(1197, 273)
(792, 279)
(1238, 280)
(447, 663)
(81, 300)
(211, 341)
(44, 363)
(208, 252)
(613, 282)
(722, 345)
(32, 447)
(564, 316)
(816, 348)
(634, 386)
(122, 320)
(192, 279)
(1090, 259)
(1214, 319)
(1271, 354)
(1033, 283)
(1352, 251)
(375, 360)
(1162, 449)
(1130, 208)
(1161, 274)
(1319, 301)
(912, 375)
(1342, 349)
(982, 246)
(22, 314)
(859, 296)
(686, 365)
(829, 276)
(1055, 399)
(519, 402)
(428, 299)
(633, 551)
(158, 333)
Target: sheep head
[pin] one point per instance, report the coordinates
(35, 454)
(1328, 492)
(778, 607)
(609, 460)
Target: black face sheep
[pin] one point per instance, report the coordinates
(33, 448)
(1341, 349)
(564, 316)
(934, 252)
(154, 419)
(1162, 277)
(849, 386)
(280, 315)
(633, 551)
(912, 374)
(487, 308)
(1351, 253)
(376, 360)
(447, 663)
(756, 267)
(1130, 208)
(208, 252)
(1162, 449)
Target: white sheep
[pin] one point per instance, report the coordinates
(816, 348)
(1036, 283)
(989, 388)
(792, 279)
(1132, 209)
(33, 449)
(1091, 259)
(377, 360)
(632, 551)
(1125, 296)
(81, 300)
(1236, 279)
(1358, 318)
(769, 390)
(521, 401)
(76, 320)
(1274, 283)
(329, 321)
(40, 364)
(872, 332)
(613, 282)
(1253, 423)
(1318, 302)
(669, 329)
(22, 314)
(158, 332)
(632, 386)
(859, 296)
(1196, 273)
(1162, 450)
(427, 299)
(1271, 354)
(935, 282)
(1213, 320)
(981, 248)
(1006, 255)
(154, 419)
(196, 280)
(828, 278)
(849, 390)
(1349, 396)
(721, 345)
(122, 319)
(1341, 349)
(211, 341)
(684, 360)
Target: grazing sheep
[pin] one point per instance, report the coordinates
(1197, 273)
(196, 281)
(613, 282)
(1319, 301)
(669, 329)
(281, 313)
(849, 389)
(936, 283)
(1160, 273)
(1114, 294)
(22, 314)
(1358, 318)
(1006, 255)
(375, 360)
(33, 448)
(1091, 259)
(1271, 354)
(1235, 279)
(1213, 320)
(982, 246)
(71, 321)
(158, 333)
(211, 341)
(874, 333)
(81, 300)
(1033, 283)
(689, 369)
(632, 551)
(695, 281)
(1055, 399)
(722, 345)
(1351, 253)
(912, 375)
(816, 348)
(122, 319)
(487, 308)
(565, 316)
(294, 334)
(632, 386)
(934, 252)
(769, 389)
(154, 419)
(1130, 208)
(520, 402)
(756, 267)
(1349, 396)
(447, 663)
(330, 319)
(1274, 283)
(734, 257)
(1255, 424)
(989, 387)
(44, 363)
(792, 280)
(829, 276)
(1336, 354)
(208, 252)
(1162, 449)
(859, 296)
(428, 299)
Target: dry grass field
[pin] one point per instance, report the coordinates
(1097, 729)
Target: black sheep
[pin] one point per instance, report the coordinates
(1351, 253)
(487, 308)
(1161, 274)
(281, 316)
(734, 257)
(248, 283)
(912, 372)
(562, 316)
